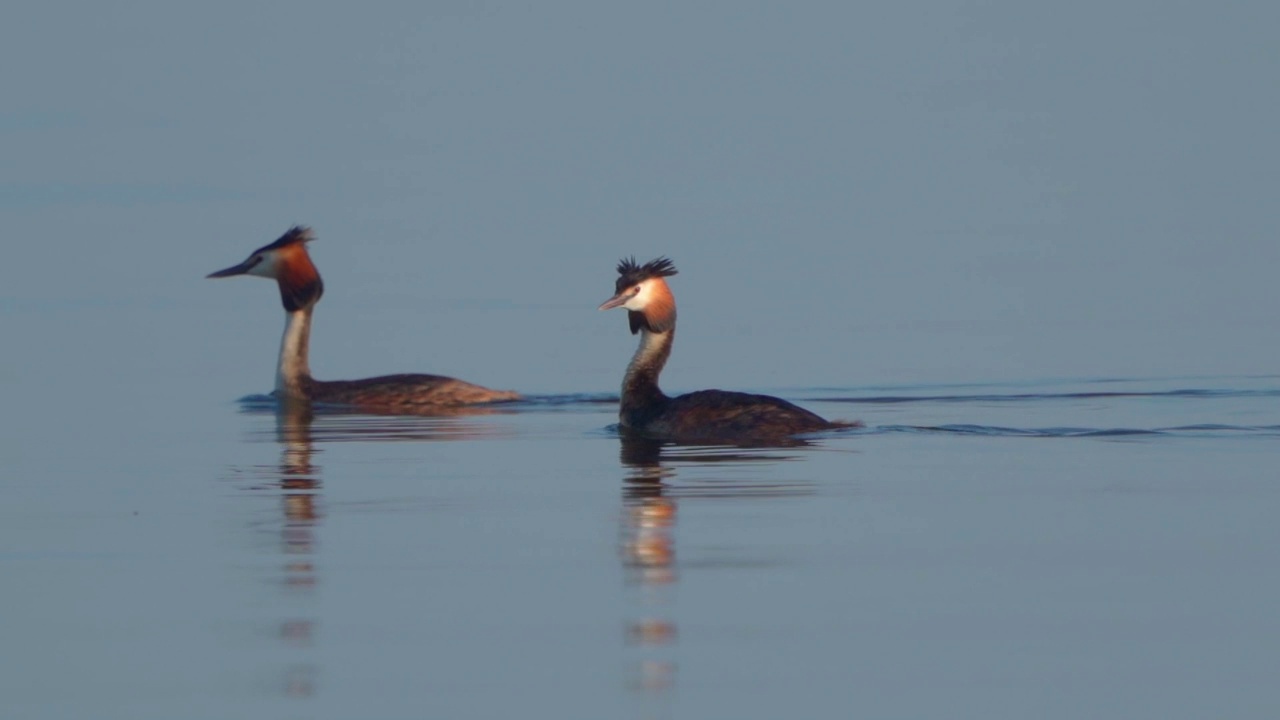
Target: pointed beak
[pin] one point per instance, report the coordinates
(240, 269)
(616, 301)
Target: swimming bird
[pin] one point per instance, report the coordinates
(702, 415)
(287, 262)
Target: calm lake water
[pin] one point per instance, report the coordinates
(1099, 548)
(1030, 245)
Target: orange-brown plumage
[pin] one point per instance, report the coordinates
(661, 310)
(296, 268)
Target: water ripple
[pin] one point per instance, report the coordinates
(1201, 431)
(1192, 393)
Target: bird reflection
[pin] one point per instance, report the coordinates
(647, 545)
(300, 429)
(648, 552)
(300, 493)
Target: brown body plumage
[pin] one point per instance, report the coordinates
(711, 415)
(405, 392)
(287, 262)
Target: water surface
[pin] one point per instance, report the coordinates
(1032, 246)
(1046, 548)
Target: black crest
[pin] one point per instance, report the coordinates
(637, 322)
(629, 273)
(293, 236)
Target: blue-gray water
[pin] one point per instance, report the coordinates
(1040, 549)
(1031, 245)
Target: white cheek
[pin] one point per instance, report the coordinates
(641, 299)
(266, 268)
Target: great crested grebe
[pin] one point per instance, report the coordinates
(706, 414)
(286, 261)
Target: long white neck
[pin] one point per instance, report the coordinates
(651, 355)
(640, 390)
(293, 371)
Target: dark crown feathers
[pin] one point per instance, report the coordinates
(630, 273)
(293, 236)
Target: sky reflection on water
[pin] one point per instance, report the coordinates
(1044, 278)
